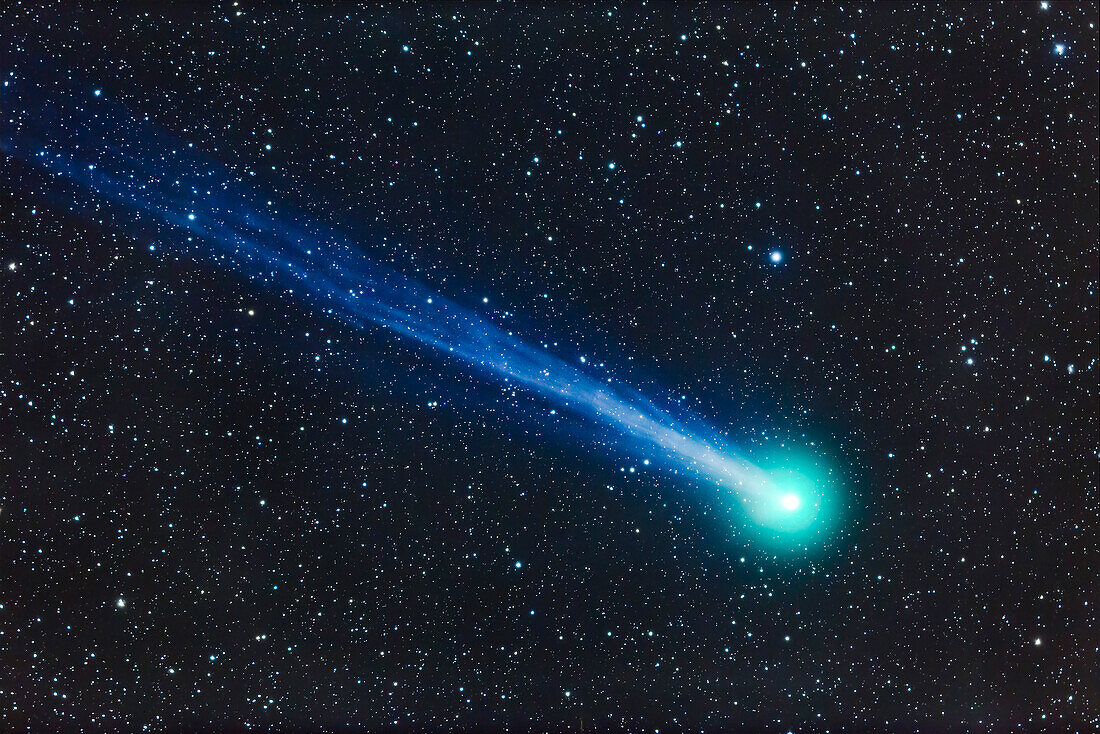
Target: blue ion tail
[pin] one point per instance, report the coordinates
(94, 150)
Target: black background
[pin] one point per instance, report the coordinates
(930, 177)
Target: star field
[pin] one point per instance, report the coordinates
(857, 243)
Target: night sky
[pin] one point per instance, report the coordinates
(417, 367)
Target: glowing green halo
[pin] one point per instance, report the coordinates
(793, 505)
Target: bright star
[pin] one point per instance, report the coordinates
(776, 256)
(790, 502)
(1059, 48)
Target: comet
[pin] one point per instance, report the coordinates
(97, 156)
